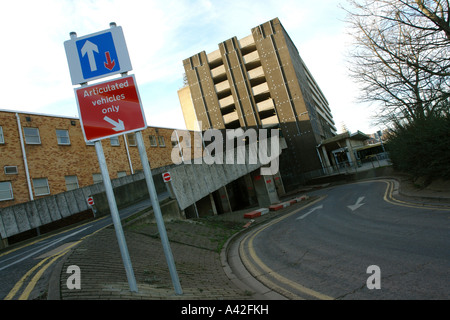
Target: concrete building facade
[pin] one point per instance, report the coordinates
(260, 81)
(43, 155)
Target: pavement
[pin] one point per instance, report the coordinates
(204, 251)
(199, 246)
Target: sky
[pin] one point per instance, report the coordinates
(159, 35)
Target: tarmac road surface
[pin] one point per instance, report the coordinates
(355, 242)
(24, 269)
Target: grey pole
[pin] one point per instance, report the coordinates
(113, 205)
(158, 214)
(115, 216)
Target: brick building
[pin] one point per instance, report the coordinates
(43, 155)
(260, 81)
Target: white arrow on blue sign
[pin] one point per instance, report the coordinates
(97, 55)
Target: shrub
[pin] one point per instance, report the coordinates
(422, 147)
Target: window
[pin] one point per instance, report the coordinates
(97, 177)
(153, 142)
(114, 141)
(10, 169)
(6, 192)
(71, 182)
(121, 174)
(131, 139)
(41, 187)
(161, 141)
(2, 137)
(63, 137)
(32, 135)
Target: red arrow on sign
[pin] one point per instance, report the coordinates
(109, 64)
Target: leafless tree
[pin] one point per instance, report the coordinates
(400, 56)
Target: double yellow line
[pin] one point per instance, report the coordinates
(45, 263)
(388, 197)
(263, 275)
(262, 272)
(42, 266)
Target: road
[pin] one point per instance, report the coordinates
(24, 269)
(356, 241)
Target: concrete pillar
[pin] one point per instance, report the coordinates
(3, 243)
(169, 188)
(326, 160)
(333, 160)
(196, 210)
(266, 192)
(191, 211)
(271, 189)
(206, 206)
(350, 151)
(224, 199)
(250, 189)
(279, 186)
(213, 204)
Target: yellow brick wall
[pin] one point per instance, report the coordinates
(11, 155)
(158, 156)
(53, 161)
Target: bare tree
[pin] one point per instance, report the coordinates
(400, 56)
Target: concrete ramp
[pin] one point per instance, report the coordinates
(191, 182)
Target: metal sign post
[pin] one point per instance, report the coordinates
(115, 216)
(91, 204)
(158, 214)
(109, 109)
(168, 182)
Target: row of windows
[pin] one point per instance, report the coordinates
(42, 188)
(32, 137)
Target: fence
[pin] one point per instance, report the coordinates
(347, 167)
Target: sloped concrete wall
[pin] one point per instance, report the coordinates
(29, 215)
(190, 183)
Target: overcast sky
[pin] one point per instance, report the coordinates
(159, 35)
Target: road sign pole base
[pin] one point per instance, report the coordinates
(158, 214)
(115, 217)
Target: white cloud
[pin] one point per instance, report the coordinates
(159, 35)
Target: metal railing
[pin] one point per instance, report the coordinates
(347, 167)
